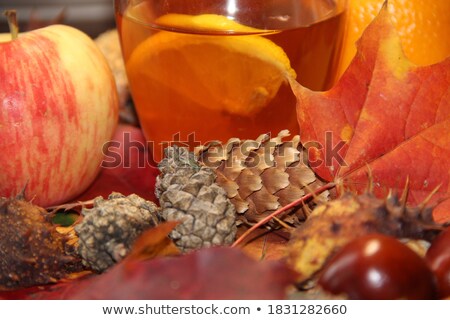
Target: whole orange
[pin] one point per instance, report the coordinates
(423, 26)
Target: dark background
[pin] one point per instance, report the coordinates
(90, 16)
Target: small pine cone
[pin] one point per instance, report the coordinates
(187, 193)
(109, 229)
(263, 175)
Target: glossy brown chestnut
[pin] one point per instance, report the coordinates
(438, 258)
(378, 267)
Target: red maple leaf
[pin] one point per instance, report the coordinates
(214, 273)
(385, 114)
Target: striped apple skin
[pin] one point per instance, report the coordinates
(58, 107)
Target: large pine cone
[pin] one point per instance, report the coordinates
(187, 193)
(263, 175)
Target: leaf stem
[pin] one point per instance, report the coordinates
(283, 209)
(11, 16)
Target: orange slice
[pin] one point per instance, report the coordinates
(238, 74)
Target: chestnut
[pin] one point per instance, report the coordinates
(378, 267)
(438, 259)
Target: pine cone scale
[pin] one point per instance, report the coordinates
(275, 179)
(247, 183)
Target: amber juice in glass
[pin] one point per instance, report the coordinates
(308, 31)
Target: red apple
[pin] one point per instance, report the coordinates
(58, 107)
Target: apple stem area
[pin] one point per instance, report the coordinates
(11, 15)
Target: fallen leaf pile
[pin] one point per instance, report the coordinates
(384, 126)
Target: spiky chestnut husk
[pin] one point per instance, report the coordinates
(188, 193)
(333, 224)
(31, 250)
(109, 229)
